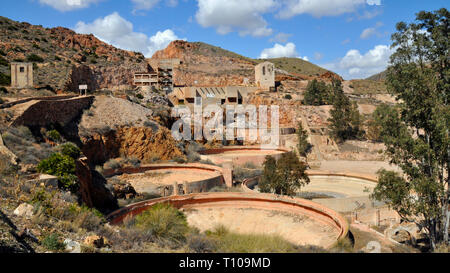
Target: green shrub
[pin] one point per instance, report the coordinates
(179, 160)
(201, 244)
(71, 150)
(52, 242)
(163, 222)
(288, 97)
(35, 58)
(54, 135)
(5, 79)
(139, 96)
(62, 166)
(3, 61)
(3, 90)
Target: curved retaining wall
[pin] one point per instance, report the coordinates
(262, 201)
(342, 205)
(186, 188)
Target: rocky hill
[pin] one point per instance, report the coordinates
(64, 59)
(378, 77)
(204, 64)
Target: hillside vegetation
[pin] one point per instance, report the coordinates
(57, 54)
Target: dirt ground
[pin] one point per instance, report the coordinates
(339, 187)
(362, 167)
(296, 228)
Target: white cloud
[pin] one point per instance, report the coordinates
(374, 2)
(368, 32)
(68, 5)
(319, 8)
(318, 56)
(354, 65)
(117, 31)
(144, 4)
(172, 3)
(280, 37)
(235, 15)
(371, 31)
(149, 4)
(278, 51)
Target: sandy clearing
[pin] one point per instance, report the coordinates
(296, 228)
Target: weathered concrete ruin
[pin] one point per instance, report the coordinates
(21, 75)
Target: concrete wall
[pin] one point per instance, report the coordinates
(47, 112)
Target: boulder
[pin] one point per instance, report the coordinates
(24, 210)
(95, 241)
(72, 246)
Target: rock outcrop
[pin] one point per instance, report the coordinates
(93, 188)
(132, 142)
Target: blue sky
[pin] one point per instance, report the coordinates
(350, 37)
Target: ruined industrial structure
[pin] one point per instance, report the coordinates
(21, 75)
(265, 76)
(228, 95)
(159, 75)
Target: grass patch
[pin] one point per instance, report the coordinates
(163, 222)
(229, 242)
(366, 87)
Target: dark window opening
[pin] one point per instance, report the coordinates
(22, 69)
(232, 99)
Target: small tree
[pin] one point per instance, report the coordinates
(285, 176)
(345, 121)
(269, 176)
(303, 146)
(316, 93)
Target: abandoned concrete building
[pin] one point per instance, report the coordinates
(228, 95)
(265, 76)
(203, 96)
(159, 75)
(21, 75)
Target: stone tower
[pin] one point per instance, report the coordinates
(21, 75)
(265, 76)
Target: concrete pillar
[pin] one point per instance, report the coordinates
(175, 189)
(186, 188)
(377, 218)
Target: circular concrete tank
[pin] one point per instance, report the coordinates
(299, 221)
(162, 178)
(238, 156)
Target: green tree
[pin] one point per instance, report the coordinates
(345, 121)
(383, 114)
(416, 137)
(285, 176)
(269, 175)
(316, 93)
(303, 146)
